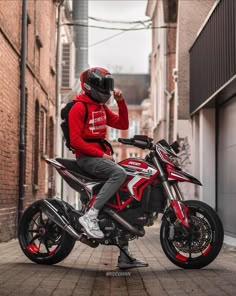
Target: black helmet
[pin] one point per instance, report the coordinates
(97, 83)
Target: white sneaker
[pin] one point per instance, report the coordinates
(91, 226)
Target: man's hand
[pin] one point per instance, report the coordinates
(106, 156)
(117, 94)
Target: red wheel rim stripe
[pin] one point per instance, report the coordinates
(181, 257)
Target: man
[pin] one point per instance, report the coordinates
(93, 152)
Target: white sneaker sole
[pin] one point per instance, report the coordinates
(88, 232)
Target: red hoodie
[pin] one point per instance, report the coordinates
(95, 127)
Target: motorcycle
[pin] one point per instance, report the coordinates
(191, 232)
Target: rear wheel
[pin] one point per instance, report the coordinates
(197, 247)
(41, 240)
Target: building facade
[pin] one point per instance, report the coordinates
(163, 15)
(213, 109)
(135, 88)
(188, 24)
(175, 25)
(36, 111)
(204, 74)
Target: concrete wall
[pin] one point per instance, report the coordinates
(207, 157)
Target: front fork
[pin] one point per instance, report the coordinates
(180, 209)
(174, 196)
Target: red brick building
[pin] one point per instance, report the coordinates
(39, 105)
(135, 88)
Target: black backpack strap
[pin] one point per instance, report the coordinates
(102, 142)
(86, 111)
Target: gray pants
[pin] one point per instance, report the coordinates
(106, 169)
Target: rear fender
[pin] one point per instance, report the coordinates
(63, 207)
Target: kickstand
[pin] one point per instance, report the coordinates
(126, 254)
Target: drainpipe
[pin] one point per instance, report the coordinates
(22, 155)
(58, 60)
(80, 15)
(58, 138)
(169, 96)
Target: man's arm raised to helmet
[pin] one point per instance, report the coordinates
(117, 94)
(121, 120)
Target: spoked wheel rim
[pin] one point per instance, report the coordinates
(42, 238)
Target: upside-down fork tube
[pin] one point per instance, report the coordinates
(181, 212)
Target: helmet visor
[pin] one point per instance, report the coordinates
(102, 84)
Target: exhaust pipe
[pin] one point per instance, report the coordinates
(52, 213)
(124, 223)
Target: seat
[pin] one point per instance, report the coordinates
(71, 166)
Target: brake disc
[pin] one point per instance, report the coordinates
(198, 239)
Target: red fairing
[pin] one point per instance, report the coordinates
(176, 175)
(139, 187)
(142, 175)
(164, 157)
(135, 163)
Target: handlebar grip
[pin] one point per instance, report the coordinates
(125, 141)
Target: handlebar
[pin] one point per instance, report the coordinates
(140, 141)
(125, 141)
(144, 142)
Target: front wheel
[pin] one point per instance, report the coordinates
(198, 246)
(41, 240)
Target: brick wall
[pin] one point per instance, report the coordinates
(40, 83)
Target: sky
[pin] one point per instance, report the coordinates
(126, 53)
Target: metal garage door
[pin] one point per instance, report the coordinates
(226, 180)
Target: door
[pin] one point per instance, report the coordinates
(226, 173)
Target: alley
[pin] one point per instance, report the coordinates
(89, 271)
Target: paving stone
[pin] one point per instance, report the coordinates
(93, 272)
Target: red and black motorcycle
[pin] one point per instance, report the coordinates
(191, 232)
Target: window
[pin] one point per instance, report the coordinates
(133, 128)
(66, 65)
(43, 132)
(51, 182)
(36, 148)
(38, 40)
(28, 34)
(133, 154)
(114, 134)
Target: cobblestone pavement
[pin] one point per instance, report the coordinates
(88, 271)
